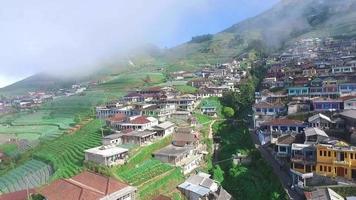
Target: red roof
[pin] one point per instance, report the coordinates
(276, 122)
(346, 98)
(118, 118)
(86, 185)
(140, 120)
(19, 195)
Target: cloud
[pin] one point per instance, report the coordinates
(71, 37)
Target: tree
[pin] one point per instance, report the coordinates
(218, 174)
(228, 112)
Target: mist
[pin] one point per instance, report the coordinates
(72, 38)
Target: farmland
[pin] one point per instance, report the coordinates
(66, 154)
(149, 175)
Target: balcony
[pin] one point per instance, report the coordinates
(303, 159)
(342, 162)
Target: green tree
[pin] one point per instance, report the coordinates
(228, 112)
(218, 174)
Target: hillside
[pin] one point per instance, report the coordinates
(271, 30)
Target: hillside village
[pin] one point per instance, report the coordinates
(305, 113)
(303, 117)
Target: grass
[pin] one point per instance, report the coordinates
(251, 181)
(186, 89)
(151, 176)
(66, 154)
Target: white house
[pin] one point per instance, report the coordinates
(349, 102)
(106, 155)
(320, 121)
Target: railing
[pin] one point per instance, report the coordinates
(301, 158)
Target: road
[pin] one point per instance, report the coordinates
(283, 176)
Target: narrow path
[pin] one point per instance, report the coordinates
(284, 177)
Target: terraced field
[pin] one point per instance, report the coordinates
(31, 174)
(144, 172)
(66, 154)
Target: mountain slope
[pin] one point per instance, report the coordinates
(283, 23)
(287, 20)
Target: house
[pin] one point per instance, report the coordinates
(114, 138)
(284, 144)
(184, 139)
(349, 102)
(336, 160)
(106, 155)
(134, 97)
(320, 121)
(265, 108)
(162, 111)
(298, 91)
(323, 193)
(284, 125)
(314, 135)
(19, 195)
(342, 69)
(134, 123)
(298, 106)
(324, 105)
(139, 137)
(163, 129)
(186, 157)
(209, 110)
(197, 83)
(88, 186)
(202, 187)
(347, 88)
(303, 161)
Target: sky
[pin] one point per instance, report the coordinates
(66, 36)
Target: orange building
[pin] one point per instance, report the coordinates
(337, 160)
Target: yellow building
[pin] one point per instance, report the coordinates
(337, 160)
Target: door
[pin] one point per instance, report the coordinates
(340, 171)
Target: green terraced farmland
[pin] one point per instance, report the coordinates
(144, 172)
(66, 154)
(31, 174)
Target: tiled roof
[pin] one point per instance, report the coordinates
(19, 195)
(140, 120)
(117, 118)
(279, 121)
(86, 185)
(268, 105)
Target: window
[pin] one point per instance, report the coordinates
(329, 154)
(321, 153)
(324, 153)
(334, 154)
(329, 169)
(325, 169)
(351, 156)
(321, 168)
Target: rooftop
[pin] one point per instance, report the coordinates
(106, 151)
(284, 121)
(86, 185)
(172, 150)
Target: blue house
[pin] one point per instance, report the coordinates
(347, 88)
(298, 91)
(327, 105)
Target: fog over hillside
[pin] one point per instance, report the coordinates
(75, 38)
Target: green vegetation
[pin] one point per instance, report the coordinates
(144, 172)
(149, 175)
(29, 175)
(255, 180)
(186, 89)
(66, 154)
(228, 112)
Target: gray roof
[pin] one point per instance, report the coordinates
(224, 195)
(319, 115)
(202, 191)
(139, 133)
(314, 131)
(172, 150)
(349, 114)
(106, 151)
(113, 136)
(165, 125)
